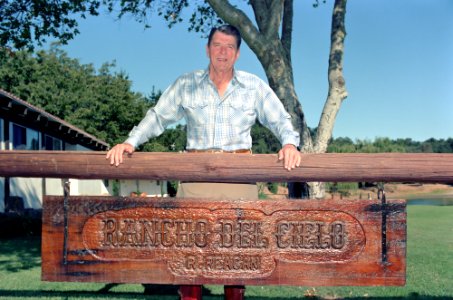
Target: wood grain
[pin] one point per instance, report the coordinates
(384, 167)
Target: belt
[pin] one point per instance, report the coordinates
(241, 151)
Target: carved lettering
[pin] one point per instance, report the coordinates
(228, 234)
(337, 234)
(199, 263)
(110, 227)
(241, 234)
(310, 235)
(166, 233)
(227, 242)
(149, 234)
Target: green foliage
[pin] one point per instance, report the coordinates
(342, 188)
(380, 145)
(273, 187)
(263, 141)
(26, 22)
(98, 101)
(115, 187)
(171, 140)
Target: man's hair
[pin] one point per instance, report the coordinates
(226, 29)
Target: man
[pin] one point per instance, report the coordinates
(220, 105)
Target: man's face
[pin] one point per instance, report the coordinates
(222, 51)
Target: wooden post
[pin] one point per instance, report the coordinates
(190, 292)
(236, 292)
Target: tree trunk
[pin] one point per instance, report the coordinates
(337, 90)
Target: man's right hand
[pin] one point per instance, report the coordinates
(116, 153)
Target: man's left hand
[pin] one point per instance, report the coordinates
(290, 156)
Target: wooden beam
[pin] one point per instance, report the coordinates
(384, 167)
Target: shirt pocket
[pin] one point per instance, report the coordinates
(196, 111)
(242, 111)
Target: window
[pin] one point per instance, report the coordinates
(19, 137)
(32, 139)
(25, 138)
(51, 143)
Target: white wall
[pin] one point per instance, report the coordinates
(77, 187)
(150, 187)
(54, 187)
(85, 187)
(29, 189)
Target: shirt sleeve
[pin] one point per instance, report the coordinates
(166, 112)
(272, 114)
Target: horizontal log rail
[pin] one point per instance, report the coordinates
(383, 167)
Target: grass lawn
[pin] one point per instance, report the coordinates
(429, 271)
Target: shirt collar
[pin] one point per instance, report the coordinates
(236, 80)
(204, 76)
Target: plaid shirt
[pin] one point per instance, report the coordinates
(215, 122)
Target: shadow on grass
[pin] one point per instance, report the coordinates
(24, 253)
(24, 294)
(20, 254)
(162, 294)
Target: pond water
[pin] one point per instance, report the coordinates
(439, 201)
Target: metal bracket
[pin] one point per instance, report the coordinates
(66, 192)
(381, 196)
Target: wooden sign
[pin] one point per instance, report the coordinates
(244, 242)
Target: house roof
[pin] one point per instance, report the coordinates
(16, 108)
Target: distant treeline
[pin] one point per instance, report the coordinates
(265, 142)
(383, 144)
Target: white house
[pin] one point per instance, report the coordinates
(27, 127)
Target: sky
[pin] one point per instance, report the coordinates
(398, 62)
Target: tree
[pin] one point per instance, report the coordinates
(24, 21)
(263, 140)
(270, 40)
(97, 101)
(379, 145)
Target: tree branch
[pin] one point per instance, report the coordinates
(268, 15)
(274, 17)
(337, 89)
(287, 28)
(238, 18)
(260, 11)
